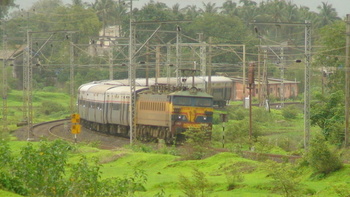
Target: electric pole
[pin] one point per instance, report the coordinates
(307, 84)
(347, 79)
(4, 83)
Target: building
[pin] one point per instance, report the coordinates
(275, 89)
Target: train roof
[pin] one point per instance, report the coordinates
(85, 87)
(162, 80)
(100, 88)
(191, 94)
(124, 90)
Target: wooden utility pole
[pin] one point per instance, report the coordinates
(347, 79)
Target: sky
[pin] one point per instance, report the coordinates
(341, 6)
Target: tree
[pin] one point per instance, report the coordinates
(209, 8)
(327, 14)
(105, 10)
(229, 7)
(177, 12)
(328, 114)
(191, 12)
(223, 29)
(5, 5)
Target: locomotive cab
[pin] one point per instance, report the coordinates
(190, 110)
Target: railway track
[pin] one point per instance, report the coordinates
(60, 129)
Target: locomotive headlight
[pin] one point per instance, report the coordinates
(204, 118)
(179, 117)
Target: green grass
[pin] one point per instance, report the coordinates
(4, 193)
(163, 172)
(15, 107)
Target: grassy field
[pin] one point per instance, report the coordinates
(164, 171)
(15, 107)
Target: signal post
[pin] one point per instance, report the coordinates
(75, 126)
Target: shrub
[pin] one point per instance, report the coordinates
(290, 112)
(50, 107)
(320, 158)
(197, 143)
(197, 186)
(284, 178)
(233, 176)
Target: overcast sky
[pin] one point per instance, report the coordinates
(341, 6)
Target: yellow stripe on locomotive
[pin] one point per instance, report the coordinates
(191, 110)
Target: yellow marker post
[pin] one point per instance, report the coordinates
(76, 127)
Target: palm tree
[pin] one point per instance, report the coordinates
(104, 9)
(177, 12)
(209, 8)
(248, 2)
(327, 14)
(191, 12)
(229, 8)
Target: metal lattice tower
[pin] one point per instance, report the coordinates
(71, 78)
(265, 81)
(27, 86)
(203, 55)
(178, 56)
(347, 81)
(4, 85)
(282, 76)
(110, 61)
(307, 83)
(132, 80)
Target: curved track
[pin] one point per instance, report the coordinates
(60, 129)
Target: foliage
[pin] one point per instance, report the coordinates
(5, 153)
(237, 112)
(233, 176)
(125, 186)
(50, 107)
(197, 186)
(84, 181)
(5, 6)
(197, 143)
(41, 171)
(320, 158)
(44, 167)
(285, 178)
(290, 112)
(328, 114)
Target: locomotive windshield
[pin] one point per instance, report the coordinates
(193, 101)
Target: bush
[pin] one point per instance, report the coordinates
(197, 186)
(41, 171)
(320, 158)
(290, 112)
(50, 107)
(197, 143)
(233, 176)
(284, 178)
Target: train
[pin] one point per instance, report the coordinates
(222, 88)
(161, 112)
